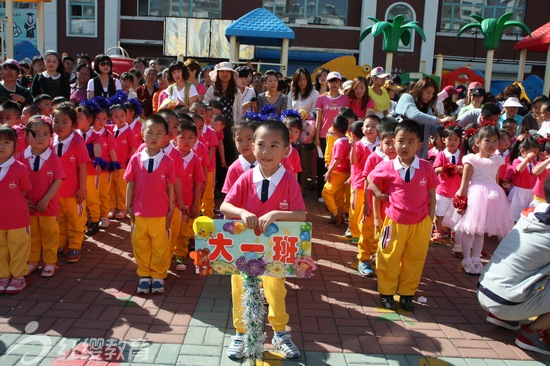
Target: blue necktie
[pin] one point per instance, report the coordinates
(265, 190)
(408, 175)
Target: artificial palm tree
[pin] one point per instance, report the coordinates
(492, 30)
(394, 32)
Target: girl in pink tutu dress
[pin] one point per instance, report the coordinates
(487, 210)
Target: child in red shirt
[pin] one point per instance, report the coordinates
(542, 171)
(192, 179)
(409, 183)
(150, 204)
(71, 149)
(46, 175)
(338, 171)
(133, 118)
(243, 135)
(125, 146)
(218, 125)
(15, 240)
(504, 151)
(85, 116)
(108, 154)
(10, 113)
(279, 200)
(293, 121)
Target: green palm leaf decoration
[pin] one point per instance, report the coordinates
(493, 29)
(393, 32)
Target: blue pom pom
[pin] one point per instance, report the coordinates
(90, 148)
(137, 106)
(114, 165)
(291, 113)
(101, 101)
(120, 97)
(91, 104)
(102, 163)
(269, 111)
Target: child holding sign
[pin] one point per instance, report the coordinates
(261, 196)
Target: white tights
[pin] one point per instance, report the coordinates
(471, 243)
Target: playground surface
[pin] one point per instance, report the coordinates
(89, 314)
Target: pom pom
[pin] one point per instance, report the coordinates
(100, 162)
(90, 148)
(450, 124)
(101, 101)
(542, 141)
(269, 111)
(120, 97)
(448, 170)
(470, 132)
(114, 165)
(91, 104)
(136, 105)
(487, 122)
(291, 113)
(252, 116)
(460, 202)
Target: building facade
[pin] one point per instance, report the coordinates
(324, 29)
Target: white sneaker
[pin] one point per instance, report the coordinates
(104, 223)
(320, 199)
(236, 348)
(284, 344)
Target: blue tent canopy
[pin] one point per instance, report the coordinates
(260, 27)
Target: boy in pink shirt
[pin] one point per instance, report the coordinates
(409, 184)
(337, 174)
(10, 113)
(150, 204)
(293, 121)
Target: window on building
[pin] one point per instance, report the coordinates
(181, 8)
(81, 18)
(324, 12)
(409, 14)
(456, 13)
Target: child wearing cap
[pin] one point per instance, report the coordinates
(511, 108)
(379, 95)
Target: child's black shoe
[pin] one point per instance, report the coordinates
(388, 302)
(406, 303)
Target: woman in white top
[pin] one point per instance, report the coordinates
(180, 91)
(103, 85)
(249, 94)
(302, 94)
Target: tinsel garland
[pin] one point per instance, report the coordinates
(253, 317)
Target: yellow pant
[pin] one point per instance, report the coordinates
(367, 237)
(92, 198)
(71, 223)
(151, 247)
(104, 194)
(356, 214)
(118, 190)
(15, 245)
(44, 239)
(175, 227)
(401, 255)
(208, 196)
(334, 193)
(275, 294)
(186, 233)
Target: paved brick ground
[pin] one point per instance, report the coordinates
(88, 314)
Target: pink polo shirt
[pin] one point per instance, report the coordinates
(362, 152)
(92, 138)
(107, 143)
(123, 144)
(50, 171)
(150, 195)
(192, 173)
(21, 142)
(355, 106)
(75, 155)
(539, 185)
(525, 179)
(136, 127)
(447, 186)
(409, 203)
(341, 150)
(330, 107)
(235, 170)
(209, 139)
(292, 162)
(202, 153)
(286, 197)
(14, 212)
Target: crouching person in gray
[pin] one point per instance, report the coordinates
(515, 285)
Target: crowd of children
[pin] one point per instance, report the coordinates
(67, 170)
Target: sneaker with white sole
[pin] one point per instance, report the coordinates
(144, 285)
(180, 266)
(284, 343)
(157, 286)
(365, 269)
(508, 324)
(535, 340)
(4, 283)
(17, 284)
(104, 223)
(236, 348)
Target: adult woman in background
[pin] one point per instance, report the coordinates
(418, 106)
(54, 81)
(78, 89)
(321, 84)
(104, 84)
(180, 91)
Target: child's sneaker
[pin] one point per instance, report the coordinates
(388, 302)
(157, 286)
(508, 324)
(73, 256)
(60, 252)
(236, 348)
(104, 223)
(406, 303)
(365, 269)
(120, 215)
(347, 234)
(4, 283)
(93, 228)
(112, 214)
(144, 285)
(17, 284)
(283, 343)
(457, 251)
(535, 340)
(180, 266)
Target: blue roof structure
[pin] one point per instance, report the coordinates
(260, 27)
